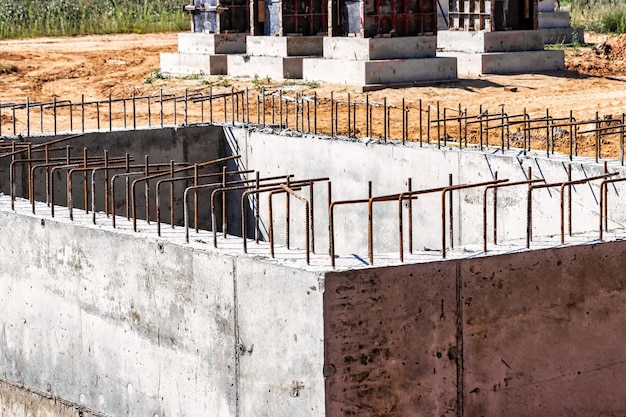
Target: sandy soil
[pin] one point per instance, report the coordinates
(96, 66)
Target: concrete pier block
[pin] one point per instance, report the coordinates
(480, 42)
(508, 62)
(277, 68)
(173, 63)
(366, 49)
(212, 43)
(284, 46)
(393, 71)
(553, 20)
(546, 5)
(563, 35)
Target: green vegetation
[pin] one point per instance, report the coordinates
(259, 82)
(155, 74)
(219, 82)
(310, 84)
(7, 68)
(31, 18)
(604, 16)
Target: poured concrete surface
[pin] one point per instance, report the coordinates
(563, 35)
(481, 41)
(275, 67)
(365, 49)
(553, 20)
(135, 324)
(508, 62)
(211, 44)
(284, 46)
(362, 73)
(176, 63)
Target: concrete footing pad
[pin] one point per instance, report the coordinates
(513, 52)
(366, 49)
(284, 46)
(175, 63)
(508, 62)
(275, 67)
(390, 71)
(211, 43)
(563, 35)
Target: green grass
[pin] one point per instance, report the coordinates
(7, 68)
(604, 16)
(31, 18)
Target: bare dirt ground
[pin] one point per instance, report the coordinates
(99, 66)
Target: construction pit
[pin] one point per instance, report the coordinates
(481, 275)
(269, 247)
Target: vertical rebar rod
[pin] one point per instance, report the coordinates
(312, 216)
(403, 123)
(27, 117)
(124, 107)
(161, 106)
(569, 198)
(315, 113)
(135, 109)
(529, 210)
(332, 123)
(495, 211)
(597, 129)
(451, 212)
(196, 203)
(480, 126)
(54, 106)
(502, 128)
(606, 214)
(438, 126)
(257, 219)
(224, 204)
(410, 203)
(621, 142)
(211, 105)
(367, 119)
(287, 217)
(445, 127)
(385, 119)
(280, 109)
(428, 124)
(232, 105)
(185, 107)
(571, 144)
(349, 118)
(172, 175)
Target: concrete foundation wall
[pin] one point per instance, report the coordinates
(533, 333)
(352, 163)
(191, 144)
(151, 328)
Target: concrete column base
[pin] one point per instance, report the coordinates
(508, 62)
(276, 68)
(212, 43)
(563, 35)
(391, 71)
(284, 46)
(173, 63)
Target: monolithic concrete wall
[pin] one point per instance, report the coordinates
(126, 324)
(350, 164)
(189, 144)
(531, 333)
